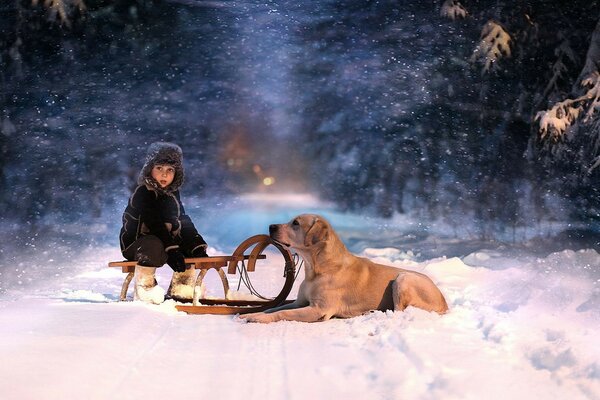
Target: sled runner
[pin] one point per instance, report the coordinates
(243, 260)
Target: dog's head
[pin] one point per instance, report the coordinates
(302, 232)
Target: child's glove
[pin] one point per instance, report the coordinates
(199, 252)
(176, 260)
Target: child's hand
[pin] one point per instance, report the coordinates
(176, 260)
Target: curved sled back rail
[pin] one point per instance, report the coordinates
(260, 243)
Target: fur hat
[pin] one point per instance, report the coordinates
(167, 154)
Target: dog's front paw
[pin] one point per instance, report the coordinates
(256, 317)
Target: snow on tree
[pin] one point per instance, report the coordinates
(564, 53)
(494, 44)
(554, 122)
(62, 8)
(453, 9)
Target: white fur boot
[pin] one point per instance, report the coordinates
(146, 287)
(182, 285)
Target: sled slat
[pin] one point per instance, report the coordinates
(236, 303)
(198, 263)
(217, 310)
(227, 309)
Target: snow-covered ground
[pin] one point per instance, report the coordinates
(522, 325)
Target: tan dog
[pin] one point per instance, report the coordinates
(340, 284)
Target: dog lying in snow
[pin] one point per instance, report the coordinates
(340, 284)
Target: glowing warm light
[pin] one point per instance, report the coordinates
(257, 169)
(268, 181)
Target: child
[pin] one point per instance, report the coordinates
(156, 229)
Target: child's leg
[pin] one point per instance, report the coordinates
(182, 285)
(146, 287)
(149, 252)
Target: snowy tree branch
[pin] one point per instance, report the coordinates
(494, 45)
(555, 121)
(563, 52)
(592, 58)
(453, 9)
(595, 164)
(62, 8)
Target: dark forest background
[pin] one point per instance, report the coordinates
(378, 106)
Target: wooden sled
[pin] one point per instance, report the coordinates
(241, 261)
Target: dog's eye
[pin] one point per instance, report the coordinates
(295, 222)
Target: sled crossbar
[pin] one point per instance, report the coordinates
(197, 263)
(226, 306)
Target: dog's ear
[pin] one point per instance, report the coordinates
(318, 232)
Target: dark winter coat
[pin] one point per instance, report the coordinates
(153, 210)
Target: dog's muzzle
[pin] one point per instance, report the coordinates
(273, 229)
(274, 234)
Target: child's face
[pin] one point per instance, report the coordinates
(164, 174)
